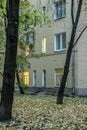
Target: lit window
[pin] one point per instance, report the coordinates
(58, 76)
(59, 42)
(44, 45)
(26, 78)
(27, 50)
(85, 3)
(59, 9)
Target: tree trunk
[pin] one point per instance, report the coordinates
(19, 84)
(68, 56)
(10, 60)
(64, 78)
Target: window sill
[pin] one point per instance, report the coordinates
(59, 18)
(43, 52)
(63, 50)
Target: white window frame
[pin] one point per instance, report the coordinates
(43, 78)
(34, 78)
(61, 42)
(59, 8)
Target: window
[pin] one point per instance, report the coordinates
(43, 15)
(34, 78)
(27, 50)
(44, 45)
(59, 42)
(43, 78)
(59, 9)
(30, 38)
(58, 76)
(26, 78)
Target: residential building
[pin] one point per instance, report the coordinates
(47, 70)
(51, 44)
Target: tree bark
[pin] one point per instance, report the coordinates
(10, 60)
(19, 84)
(69, 52)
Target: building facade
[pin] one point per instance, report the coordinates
(46, 71)
(51, 44)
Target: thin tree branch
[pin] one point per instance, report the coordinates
(72, 10)
(79, 36)
(78, 12)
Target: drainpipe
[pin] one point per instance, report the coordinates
(73, 71)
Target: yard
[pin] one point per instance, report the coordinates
(40, 112)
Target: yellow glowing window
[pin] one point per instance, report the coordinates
(26, 78)
(85, 3)
(27, 50)
(59, 73)
(44, 45)
(59, 70)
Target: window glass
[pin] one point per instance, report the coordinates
(43, 15)
(60, 42)
(64, 40)
(34, 78)
(26, 78)
(58, 73)
(30, 38)
(59, 9)
(63, 8)
(57, 42)
(27, 50)
(43, 78)
(58, 76)
(44, 45)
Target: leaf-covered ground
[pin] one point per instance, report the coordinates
(38, 112)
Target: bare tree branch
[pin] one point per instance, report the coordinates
(68, 55)
(72, 10)
(78, 12)
(79, 36)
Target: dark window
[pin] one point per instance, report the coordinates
(59, 9)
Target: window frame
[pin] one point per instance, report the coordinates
(59, 6)
(43, 14)
(60, 35)
(34, 78)
(30, 38)
(59, 75)
(43, 78)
